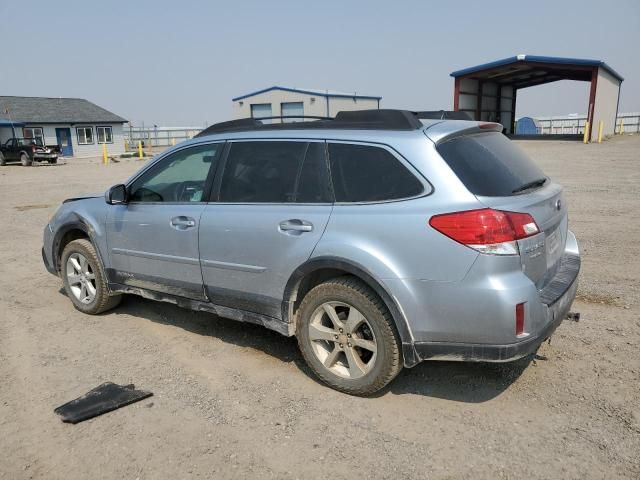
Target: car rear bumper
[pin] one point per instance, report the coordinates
(45, 156)
(565, 283)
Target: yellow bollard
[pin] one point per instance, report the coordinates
(140, 150)
(126, 145)
(585, 139)
(173, 142)
(621, 127)
(105, 158)
(600, 127)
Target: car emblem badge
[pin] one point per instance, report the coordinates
(558, 204)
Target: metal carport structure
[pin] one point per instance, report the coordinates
(488, 92)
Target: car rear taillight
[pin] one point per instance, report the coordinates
(519, 319)
(486, 230)
(489, 125)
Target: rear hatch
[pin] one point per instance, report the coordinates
(503, 177)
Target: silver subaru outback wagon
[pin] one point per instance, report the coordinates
(378, 238)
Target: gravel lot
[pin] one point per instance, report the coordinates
(235, 400)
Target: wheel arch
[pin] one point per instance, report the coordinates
(69, 232)
(319, 269)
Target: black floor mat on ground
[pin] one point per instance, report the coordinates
(102, 399)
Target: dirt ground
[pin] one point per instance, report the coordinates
(235, 400)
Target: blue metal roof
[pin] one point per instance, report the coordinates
(8, 123)
(321, 93)
(537, 59)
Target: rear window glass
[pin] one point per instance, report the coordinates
(490, 165)
(362, 173)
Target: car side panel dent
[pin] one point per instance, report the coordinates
(87, 216)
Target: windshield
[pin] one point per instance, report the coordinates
(491, 165)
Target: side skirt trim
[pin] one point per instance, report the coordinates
(238, 315)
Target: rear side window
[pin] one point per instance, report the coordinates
(276, 172)
(313, 184)
(490, 165)
(362, 173)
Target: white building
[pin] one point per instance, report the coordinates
(284, 101)
(78, 126)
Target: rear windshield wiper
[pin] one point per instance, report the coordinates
(529, 185)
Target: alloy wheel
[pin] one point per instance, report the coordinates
(342, 340)
(81, 278)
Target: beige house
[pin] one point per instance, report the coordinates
(80, 128)
(284, 101)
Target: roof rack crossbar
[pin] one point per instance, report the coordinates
(284, 117)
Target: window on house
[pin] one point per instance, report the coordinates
(34, 133)
(85, 135)
(104, 134)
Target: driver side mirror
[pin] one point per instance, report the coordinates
(116, 195)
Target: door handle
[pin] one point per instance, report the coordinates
(296, 225)
(182, 223)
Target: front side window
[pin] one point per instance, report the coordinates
(179, 178)
(34, 133)
(270, 172)
(104, 134)
(362, 173)
(85, 135)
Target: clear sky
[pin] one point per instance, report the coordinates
(181, 62)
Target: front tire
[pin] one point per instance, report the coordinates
(3, 162)
(25, 161)
(84, 280)
(348, 338)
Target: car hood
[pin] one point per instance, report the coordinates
(83, 196)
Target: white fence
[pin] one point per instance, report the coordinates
(158, 136)
(566, 125)
(574, 124)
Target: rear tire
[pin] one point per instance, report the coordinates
(25, 161)
(53, 161)
(84, 279)
(3, 162)
(348, 337)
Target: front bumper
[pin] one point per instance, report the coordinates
(47, 265)
(47, 251)
(556, 299)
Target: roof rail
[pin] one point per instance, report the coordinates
(386, 119)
